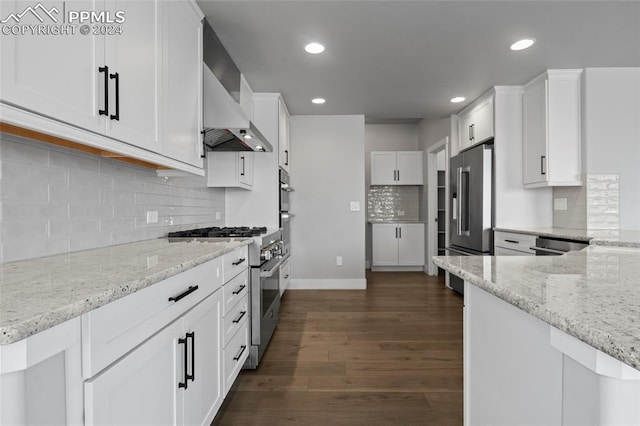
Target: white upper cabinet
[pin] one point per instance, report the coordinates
(56, 76)
(284, 142)
(230, 169)
(131, 87)
(182, 65)
(551, 130)
(134, 82)
(476, 122)
(396, 168)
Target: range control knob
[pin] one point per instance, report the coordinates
(267, 255)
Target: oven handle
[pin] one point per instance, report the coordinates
(270, 272)
(547, 250)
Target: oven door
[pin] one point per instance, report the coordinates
(265, 305)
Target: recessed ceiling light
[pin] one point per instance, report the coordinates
(522, 44)
(458, 99)
(314, 48)
(247, 136)
(318, 100)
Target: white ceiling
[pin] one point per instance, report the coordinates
(394, 60)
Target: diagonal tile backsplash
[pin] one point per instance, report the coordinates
(56, 200)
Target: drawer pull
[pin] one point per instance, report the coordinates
(184, 294)
(239, 289)
(242, 348)
(237, 320)
(512, 241)
(238, 262)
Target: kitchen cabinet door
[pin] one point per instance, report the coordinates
(465, 131)
(230, 170)
(411, 244)
(182, 82)
(284, 144)
(383, 168)
(55, 76)
(141, 388)
(135, 67)
(552, 130)
(384, 244)
(285, 276)
(409, 165)
(203, 397)
(482, 120)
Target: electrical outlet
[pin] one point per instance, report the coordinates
(355, 206)
(560, 204)
(339, 261)
(218, 215)
(152, 217)
(400, 212)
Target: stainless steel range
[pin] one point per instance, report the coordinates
(265, 257)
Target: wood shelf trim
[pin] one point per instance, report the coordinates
(54, 140)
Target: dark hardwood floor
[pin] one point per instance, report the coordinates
(390, 355)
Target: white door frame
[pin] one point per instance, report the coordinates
(432, 200)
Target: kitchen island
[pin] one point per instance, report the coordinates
(551, 339)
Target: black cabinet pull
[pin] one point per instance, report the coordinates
(286, 157)
(237, 357)
(192, 376)
(396, 232)
(184, 294)
(238, 262)
(105, 70)
(116, 77)
(184, 353)
(242, 168)
(237, 320)
(542, 168)
(239, 290)
(512, 241)
(399, 232)
(398, 175)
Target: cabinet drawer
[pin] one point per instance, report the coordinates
(235, 290)
(236, 318)
(235, 262)
(114, 329)
(514, 241)
(235, 354)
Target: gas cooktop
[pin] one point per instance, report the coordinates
(216, 232)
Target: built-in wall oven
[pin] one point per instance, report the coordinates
(285, 211)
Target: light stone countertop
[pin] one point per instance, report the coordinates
(604, 237)
(39, 293)
(592, 294)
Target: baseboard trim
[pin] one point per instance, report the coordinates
(397, 268)
(328, 284)
(367, 264)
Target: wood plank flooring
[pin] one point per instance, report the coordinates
(390, 355)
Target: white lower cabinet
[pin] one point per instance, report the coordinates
(172, 378)
(398, 244)
(513, 244)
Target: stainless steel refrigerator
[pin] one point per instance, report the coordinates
(471, 204)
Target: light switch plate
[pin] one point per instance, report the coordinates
(355, 206)
(560, 204)
(217, 215)
(339, 261)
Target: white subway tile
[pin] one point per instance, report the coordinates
(12, 210)
(18, 149)
(32, 173)
(89, 211)
(73, 161)
(28, 249)
(23, 191)
(15, 230)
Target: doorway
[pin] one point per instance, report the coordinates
(437, 206)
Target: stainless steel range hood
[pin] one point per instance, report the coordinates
(228, 102)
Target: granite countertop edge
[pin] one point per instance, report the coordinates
(595, 338)
(12, 333)
(578, 235)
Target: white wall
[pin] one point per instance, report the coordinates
(327, 172)
(385, 137)
(611, 133)
(56, 200)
